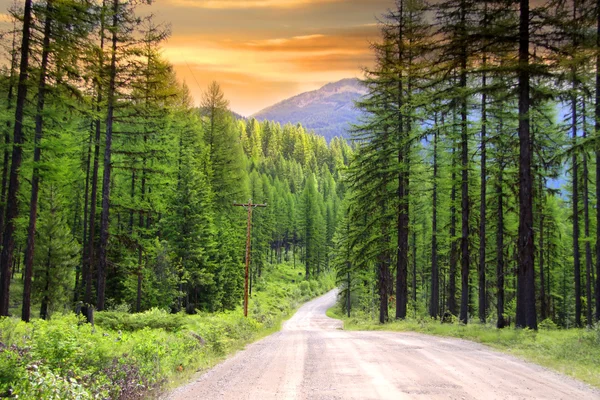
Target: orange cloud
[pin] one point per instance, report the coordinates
(247, 4)
(6, 18)
(247, 93)
(258, 72)
(262, 51)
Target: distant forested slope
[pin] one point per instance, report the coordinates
(328, 111)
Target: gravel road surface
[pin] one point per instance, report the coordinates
(312, 358)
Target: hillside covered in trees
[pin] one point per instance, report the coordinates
(118, 191)
(474, 108)
(329, 111)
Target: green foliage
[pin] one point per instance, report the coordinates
(42, 383)
(547, 325)
(55, 255)
(127, 356)
(153, 319)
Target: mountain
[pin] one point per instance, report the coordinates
(328, 111)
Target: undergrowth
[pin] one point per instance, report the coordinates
(138, 356)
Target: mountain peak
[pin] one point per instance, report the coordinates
(328, 111)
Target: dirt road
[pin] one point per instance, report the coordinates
(311, 358)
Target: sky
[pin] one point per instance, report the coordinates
(264, 51)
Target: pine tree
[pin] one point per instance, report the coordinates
(64, 40)
(526, 312)
(597, 157)
(190, 231)
(55, 255)
(12, 206)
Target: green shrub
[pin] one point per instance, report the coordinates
(153, 319)
(42, 383)
(547, 325)
(131, 356)
(12, 366)
(314, 286)
(305, 288)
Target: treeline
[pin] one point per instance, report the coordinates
(117, 190)
(477, 112)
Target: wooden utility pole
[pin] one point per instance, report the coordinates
(249, 206)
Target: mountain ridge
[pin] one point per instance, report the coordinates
(329, 110)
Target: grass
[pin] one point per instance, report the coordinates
(134, 356)
(573, 352)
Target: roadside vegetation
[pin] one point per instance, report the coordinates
(573, 352)
(133, 356)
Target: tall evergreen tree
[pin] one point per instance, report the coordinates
(12, 205)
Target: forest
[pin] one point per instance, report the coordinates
(474, 186)
(468, 191)
(117, 191)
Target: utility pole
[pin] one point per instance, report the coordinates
(249, 206)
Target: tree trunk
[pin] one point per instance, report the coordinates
(141, 225)
(414, 269)
(543, 308)
(435, 280)
(6, 158)
(35, 179)
(104, 222)
(86, 207)
(482, 206)
(526, 313)
(12, 205)
(383, 273)
(597, 129)
(91, 260)
(453, 249)
(402, 194)
(550, 313)
(464, 242)
(132, 197)
(89, 267)
(383, 283)
(46, 297)
(575, 204)
(138, 302)
(500, 248)
(586, 228)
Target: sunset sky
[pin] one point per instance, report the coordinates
(263, 51)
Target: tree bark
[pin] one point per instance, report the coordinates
(597, 129)
(464, 139)
(12, 205)
(86, 207)
(586, 228)
(575, 204)
(402, 215)
(500, 248)
(91, 257)
(482, 204)
(104, 220)
(46, 298)
(435, 281)
(453, 249)
(6, 158)
(138, 301)
(526, 313)
(543, 308)
(35, 179)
